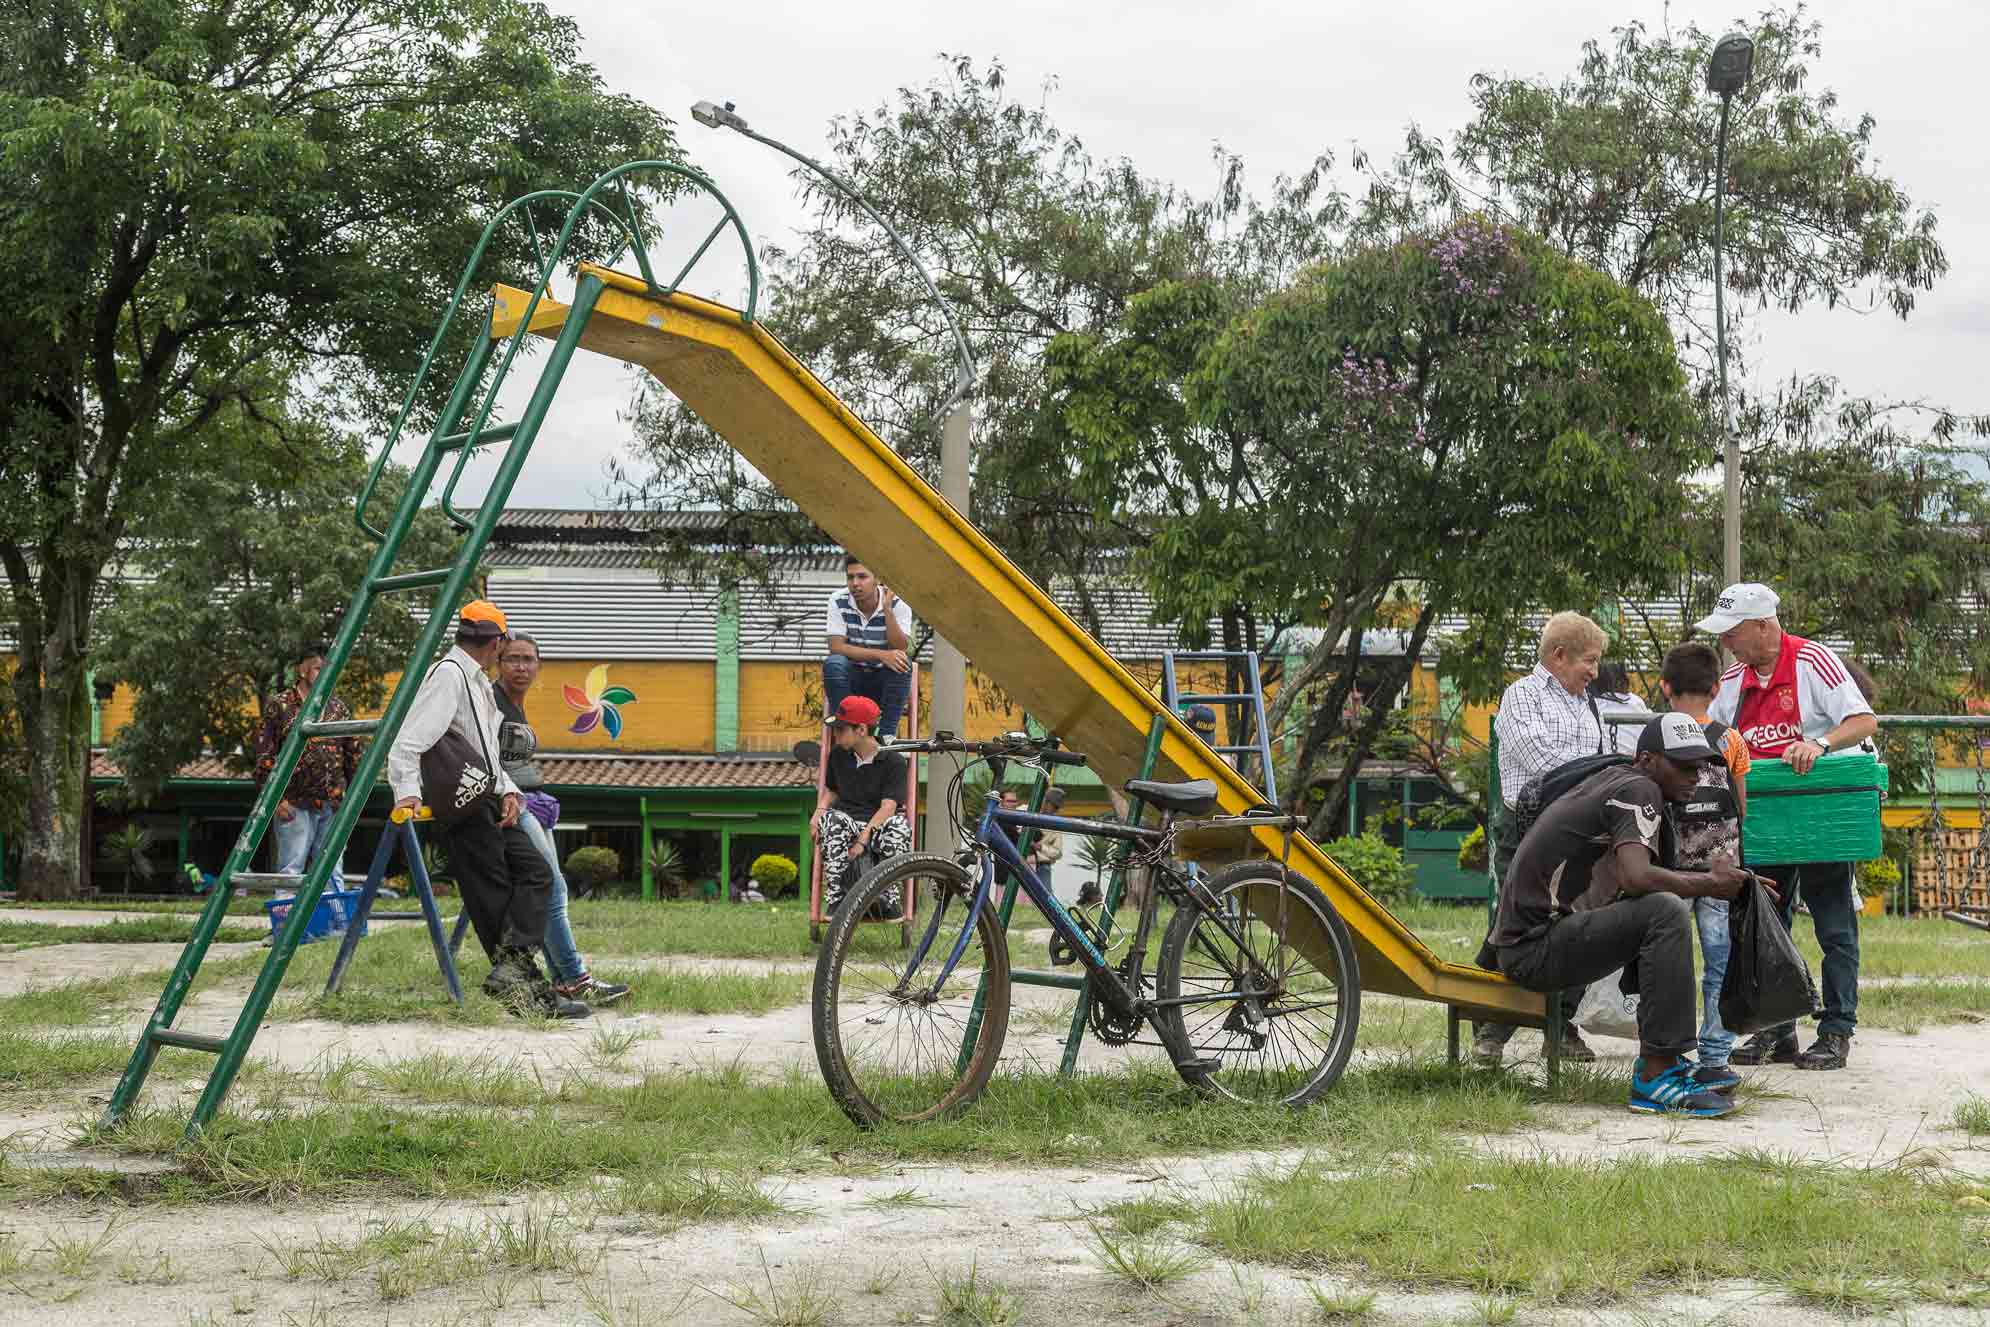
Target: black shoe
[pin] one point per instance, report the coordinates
(1830, 1051)
(591, 990)
(509, 974)
(527, 1000)
(1767, 1048)
(1488, 1049)
(1574, 1049)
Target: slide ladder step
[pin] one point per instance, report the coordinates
(483, 437)
(188, 1041)
(341, 728)
(412, 580)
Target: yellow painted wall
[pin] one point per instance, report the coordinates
(673, 709)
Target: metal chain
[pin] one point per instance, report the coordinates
(1981, 875)
(1937, 826)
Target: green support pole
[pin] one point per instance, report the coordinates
(725, 707)
(649, 880)
(1115, 891)
(186, 840)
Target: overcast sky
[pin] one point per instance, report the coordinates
(1278, 82)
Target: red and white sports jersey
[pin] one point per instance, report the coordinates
(1807, 695)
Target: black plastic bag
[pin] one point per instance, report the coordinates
(1767, 983)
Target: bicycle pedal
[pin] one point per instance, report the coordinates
(1061, 954)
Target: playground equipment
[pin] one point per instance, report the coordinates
(786, 423)
(401, 834)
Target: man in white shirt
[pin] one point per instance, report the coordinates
(500, 875)
(1794, 700)
(870, 646)
(1545, 720)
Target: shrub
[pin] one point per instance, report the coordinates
(774, 873)
(1375, 865)
(668, 872)
(1879, 876)
(591, 867)
(1472, 852)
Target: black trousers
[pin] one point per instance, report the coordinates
(1653, 931)
(504, 881)
(1826, 889)
(1503, 853)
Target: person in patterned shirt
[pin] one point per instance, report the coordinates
(319, 782)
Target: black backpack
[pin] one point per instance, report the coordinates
(1544, 790)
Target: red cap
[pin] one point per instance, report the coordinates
(859, 710)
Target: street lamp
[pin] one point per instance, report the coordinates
(1727, 74)
(949, 709)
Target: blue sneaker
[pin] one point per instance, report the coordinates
(1717, 1078)
(1675, 1093)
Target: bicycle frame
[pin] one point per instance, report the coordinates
(999, 848)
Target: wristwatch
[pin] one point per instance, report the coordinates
(1824, 746)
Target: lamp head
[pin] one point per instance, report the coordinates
(1727, 69)
(714, 116)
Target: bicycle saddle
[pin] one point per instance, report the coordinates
(1197, 797)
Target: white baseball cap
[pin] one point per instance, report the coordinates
(1739, 603)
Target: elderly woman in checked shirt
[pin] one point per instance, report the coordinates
(1545, 719)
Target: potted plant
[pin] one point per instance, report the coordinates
(772, 874)
(1879, 879)
(130, 850)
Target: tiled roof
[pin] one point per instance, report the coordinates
(575, 771)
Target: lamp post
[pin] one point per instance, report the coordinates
(1727, 74)
(949, 708)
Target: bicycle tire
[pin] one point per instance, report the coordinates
(1275, 1051)
(875, 1083)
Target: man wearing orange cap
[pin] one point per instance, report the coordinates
(501, 876)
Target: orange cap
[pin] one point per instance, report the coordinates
(483, 611)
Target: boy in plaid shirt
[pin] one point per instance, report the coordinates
(1709, 830)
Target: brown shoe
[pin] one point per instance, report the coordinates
(1574, 1049)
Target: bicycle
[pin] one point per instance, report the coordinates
(1255, 991)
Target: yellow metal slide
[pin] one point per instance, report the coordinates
(793, 429)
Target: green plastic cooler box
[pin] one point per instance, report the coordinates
(1828, 815)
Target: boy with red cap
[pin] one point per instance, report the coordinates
(858, 808)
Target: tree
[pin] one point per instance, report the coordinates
(200, 203)
(1467, 413)
(1029, 237)
(232, 588)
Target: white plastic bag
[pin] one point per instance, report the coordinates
(1606, 1011)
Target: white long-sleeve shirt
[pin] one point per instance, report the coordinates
(441, 705)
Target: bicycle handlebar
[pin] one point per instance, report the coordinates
(1016, 746)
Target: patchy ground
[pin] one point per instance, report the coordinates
(905, 1244)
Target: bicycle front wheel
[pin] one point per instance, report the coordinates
(1276, 987)
(892, 1048)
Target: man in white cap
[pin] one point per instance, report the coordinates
(1794, 700)
(1593, 889)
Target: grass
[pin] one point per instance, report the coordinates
(1499, 1226)
(968, 1301)
(1144, 1216)
(165, 928)
(674, 1198)
(1340, 1305)
(725, 1121)
(1144, 1261)
(798, 1300)
(38, 1063)
(1973, 1116)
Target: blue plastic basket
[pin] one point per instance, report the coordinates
(331, 917)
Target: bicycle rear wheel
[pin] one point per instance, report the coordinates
(890, 1049)
(1279, 1020)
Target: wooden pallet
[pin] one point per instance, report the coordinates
(1966, 889)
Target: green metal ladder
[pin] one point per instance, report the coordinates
(449, 437)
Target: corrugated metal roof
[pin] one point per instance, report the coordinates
(578, 771)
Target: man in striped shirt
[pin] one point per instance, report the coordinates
(1545, 720)
(1793, 700)
(870, 646)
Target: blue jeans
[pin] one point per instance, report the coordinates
(1715, 1041)
(561, 953)
(299, 838)
(888, 687)
(1834, 915)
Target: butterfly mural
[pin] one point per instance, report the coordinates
(600, 705)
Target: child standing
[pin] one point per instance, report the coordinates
(1709, 830)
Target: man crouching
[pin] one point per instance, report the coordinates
(1586, 895)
